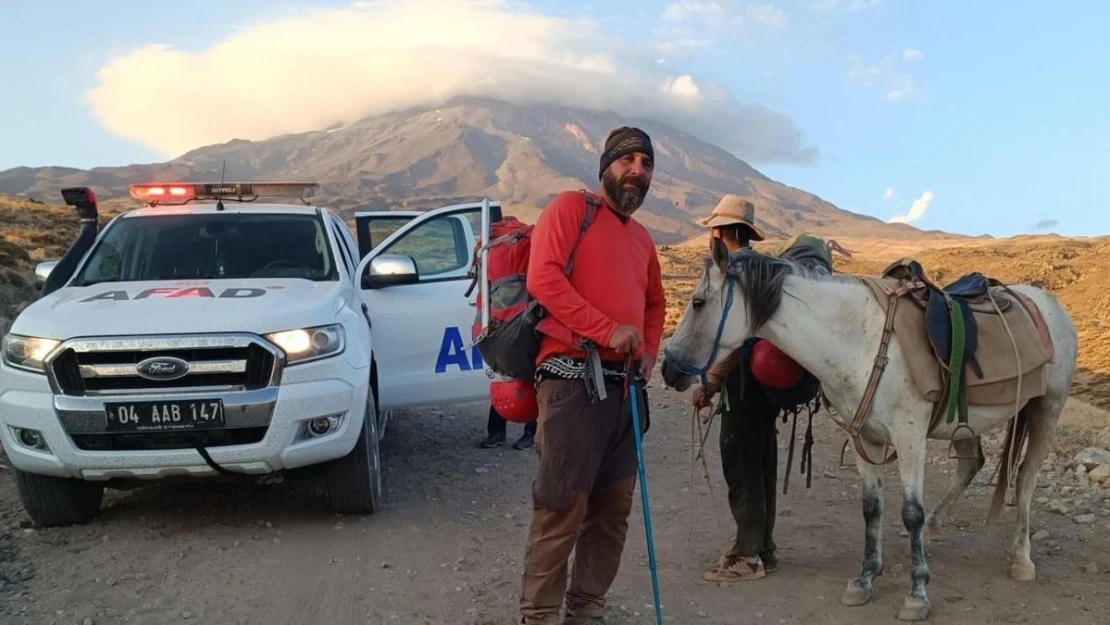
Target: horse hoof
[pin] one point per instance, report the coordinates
(1023, 573)
(914, 610)
(855, 595)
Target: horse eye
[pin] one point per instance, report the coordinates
(698, 302)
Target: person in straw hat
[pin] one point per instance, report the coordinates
(748, 437)
(733, 221)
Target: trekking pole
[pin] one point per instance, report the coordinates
(644, 490)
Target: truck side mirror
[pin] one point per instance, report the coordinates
(390, 270)
(42, 271)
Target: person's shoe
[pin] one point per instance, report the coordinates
(770, 563)
(493, 440)
(584, 619)
(526, 441)
(736, 569)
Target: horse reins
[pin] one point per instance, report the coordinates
(702, 373)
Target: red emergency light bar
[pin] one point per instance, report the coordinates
(154, 193)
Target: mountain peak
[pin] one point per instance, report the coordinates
(470, 147)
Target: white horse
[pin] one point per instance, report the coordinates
(832, 326)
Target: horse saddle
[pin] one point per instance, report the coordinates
(950, 324)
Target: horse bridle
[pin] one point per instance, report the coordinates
(702, 373)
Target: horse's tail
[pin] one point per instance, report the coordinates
(1016, 436)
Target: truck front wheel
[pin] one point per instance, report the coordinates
(354, 482)
(57, 501)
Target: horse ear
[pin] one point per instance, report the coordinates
(720, 255)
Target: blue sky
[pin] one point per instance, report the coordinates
(993, 120)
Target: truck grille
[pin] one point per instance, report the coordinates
(216, 362)
(168, 440)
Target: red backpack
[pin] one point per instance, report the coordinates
(512, 342)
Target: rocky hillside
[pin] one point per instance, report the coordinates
(522, 155)
(30, 232)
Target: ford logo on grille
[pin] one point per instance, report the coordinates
(162, 368)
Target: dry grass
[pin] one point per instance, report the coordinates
(1082, 425)
(30, 232)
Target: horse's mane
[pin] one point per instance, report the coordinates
(761, 277)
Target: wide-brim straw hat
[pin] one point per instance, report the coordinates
(731, 210)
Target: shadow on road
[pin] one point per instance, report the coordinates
(423, 453)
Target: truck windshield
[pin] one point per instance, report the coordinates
(211, 247)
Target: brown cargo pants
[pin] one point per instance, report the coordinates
(582, 496)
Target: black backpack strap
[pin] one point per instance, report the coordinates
(592, 204)
(474, 267)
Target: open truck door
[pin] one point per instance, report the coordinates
(414, 284)
(373, 227)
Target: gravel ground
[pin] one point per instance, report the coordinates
(448, 545)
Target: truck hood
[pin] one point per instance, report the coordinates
(177, 307)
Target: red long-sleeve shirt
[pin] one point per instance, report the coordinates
(615, 279)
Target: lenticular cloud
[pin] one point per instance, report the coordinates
(336, 66)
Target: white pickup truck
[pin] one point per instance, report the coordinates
(207, 333)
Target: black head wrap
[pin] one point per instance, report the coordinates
(624, 140)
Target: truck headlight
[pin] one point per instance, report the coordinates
(305, 344)
(27, 352)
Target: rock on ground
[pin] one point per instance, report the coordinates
(1092, 457)
(1100, 474)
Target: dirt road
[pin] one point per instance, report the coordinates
(448, 546)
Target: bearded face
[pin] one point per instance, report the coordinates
(628, 191)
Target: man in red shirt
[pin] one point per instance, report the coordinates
(613, 301)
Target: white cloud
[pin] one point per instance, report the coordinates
(912, 54)
(683, 87)
(896, 85)
(899, 93)
(724, 14)
(845, 6)
(917, 210)
(889, 193)
(767, 15)
(861, 74)
(686, 9)
(688, 25)
(325, 67)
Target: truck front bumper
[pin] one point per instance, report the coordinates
(266, 430)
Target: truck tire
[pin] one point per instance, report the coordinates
(354, 482)
(57, 501)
